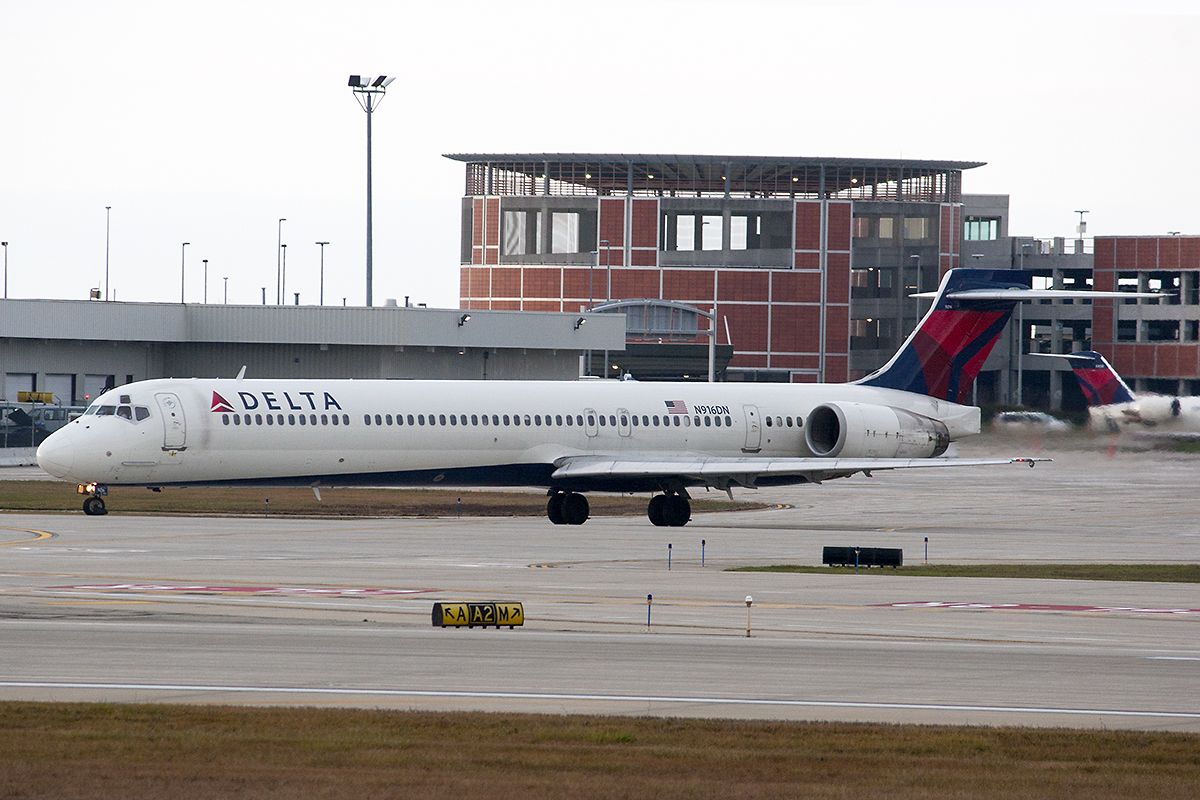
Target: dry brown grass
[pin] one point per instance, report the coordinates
(141, 751)
(53, 496)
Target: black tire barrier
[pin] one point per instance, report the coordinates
(867, 556)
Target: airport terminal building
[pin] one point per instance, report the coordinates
(611, 263)
(76, 349)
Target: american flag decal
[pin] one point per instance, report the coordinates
(676, 407)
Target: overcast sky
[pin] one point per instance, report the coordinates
(206, 122)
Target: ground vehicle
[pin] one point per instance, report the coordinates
(1029, 422)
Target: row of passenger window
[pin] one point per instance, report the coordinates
(290, 419)
(484, 420)
(548, 420)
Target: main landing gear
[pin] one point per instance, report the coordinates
(93, 504)
(669, 510)
(567, 508)
(665, 510)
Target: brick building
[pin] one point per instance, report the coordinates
(765, 244)
(1155, 344)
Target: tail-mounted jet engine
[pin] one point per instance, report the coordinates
(862, 430)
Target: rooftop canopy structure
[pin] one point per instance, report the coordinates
(640, 175)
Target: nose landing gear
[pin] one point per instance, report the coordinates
(93, 504)
(669, 510)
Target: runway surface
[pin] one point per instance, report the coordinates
(337, 612)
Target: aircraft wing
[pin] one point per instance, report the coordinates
(745, 471)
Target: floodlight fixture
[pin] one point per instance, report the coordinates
(369, 93)
(464, 319)
(579, 323)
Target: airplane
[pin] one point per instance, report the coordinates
(1113, 407)
(569, 437)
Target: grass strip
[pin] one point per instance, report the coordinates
(77, 750)
(1165, 573)
(335, 502)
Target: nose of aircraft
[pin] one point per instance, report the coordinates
(56, 455)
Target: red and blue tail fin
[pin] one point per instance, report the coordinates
(943, 356)
(1099, 382)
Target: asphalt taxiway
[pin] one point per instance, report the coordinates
(337, 611)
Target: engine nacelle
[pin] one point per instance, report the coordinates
(862, 430)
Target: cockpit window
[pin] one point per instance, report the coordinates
(125, 412)
(106, 411)
(90, 410)
(141, 412)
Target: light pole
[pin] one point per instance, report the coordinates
(369, 94)
(226, 279)
(5, 246)
(322, 246)
(283, 278)
(205, 281)
(278, 250)
(182, 268)
(107, 217)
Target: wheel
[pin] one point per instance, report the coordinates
(554, 508)
(575, 509)
(678, 511)
(94, 507)
(655, 510)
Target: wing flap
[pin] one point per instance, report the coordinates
(600, 467)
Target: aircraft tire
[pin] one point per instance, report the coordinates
(677, 511)
(554, 508)
(94, 507)
(575, 509)
(656, 510)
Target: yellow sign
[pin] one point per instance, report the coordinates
(35, 397)
(478, 615)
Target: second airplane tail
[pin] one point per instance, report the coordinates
(1099, 382)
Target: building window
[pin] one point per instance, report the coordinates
(564, 227)
(887, 227)
(981, 229)
(916, 228)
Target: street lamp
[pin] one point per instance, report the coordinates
(278, 250)
(5, 246)
(283, 274)
(369, 94)
(107, 217)
(205, 280)
(322, 245)
(182, 268)
(226, 279)
(1082, 228)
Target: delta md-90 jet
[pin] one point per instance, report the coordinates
(569, 437)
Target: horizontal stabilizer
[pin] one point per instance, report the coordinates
(1021, 295)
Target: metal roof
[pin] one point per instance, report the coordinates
(684, 158)
(85, 320)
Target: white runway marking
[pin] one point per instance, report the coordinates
(623, 698)
(1173, 658)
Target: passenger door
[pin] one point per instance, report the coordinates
(753, 430)
(589, 421)
(174, 425)
(623, 427)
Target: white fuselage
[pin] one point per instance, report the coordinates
(197, 431)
